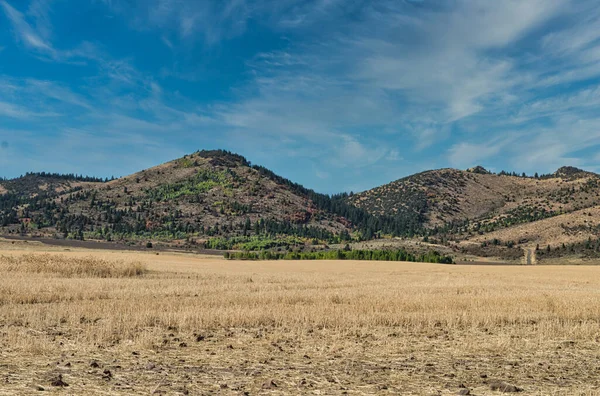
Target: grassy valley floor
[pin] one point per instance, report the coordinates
(201, 325)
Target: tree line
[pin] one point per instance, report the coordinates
(367, 255)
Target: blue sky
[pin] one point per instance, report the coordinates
(338, 95)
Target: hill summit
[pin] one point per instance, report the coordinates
(571, 172)
(479, 170)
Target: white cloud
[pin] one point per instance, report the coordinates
(357, 84)
(208, 21)
(20, 112)
(465, 155)
(349, 152)
(24, 32)
(167, 42)
(54, 91)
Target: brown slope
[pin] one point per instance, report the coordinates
(569, 228)
(449, 195)
(34, 184)
(206, 189)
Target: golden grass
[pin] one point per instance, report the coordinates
(71, 267)
(212, 326)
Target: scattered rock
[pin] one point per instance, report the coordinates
(58, 382)
(39, 388)
(464, 392)
(107, 375)
(183, 345)
(135, 353)
(200, 338)
(150, 366)
(270, 384)
(504, 387)
(224, 386)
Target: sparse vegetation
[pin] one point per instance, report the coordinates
(219, 200)
(71, 267)
(589, 249)
(301, 327)
(202, 182)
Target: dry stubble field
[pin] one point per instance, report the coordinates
(208, 326)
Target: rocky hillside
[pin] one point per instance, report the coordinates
(446, 196)
(207, 193)
(213, 196)
(219, 200)
(493, 214)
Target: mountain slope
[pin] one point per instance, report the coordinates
(567, 229)
(205, 194)
(219, 200)
(45, 184)
(449, 196)
(201, 197)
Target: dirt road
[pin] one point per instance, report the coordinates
(530, 257)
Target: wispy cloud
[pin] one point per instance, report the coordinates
(208, 20)
(14, 111)
(345, 89)
(464, 154)
(33, 30)
(25, 33)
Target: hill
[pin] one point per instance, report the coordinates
(215, 198)
(446, 196)
(219, 200)
(477, 207)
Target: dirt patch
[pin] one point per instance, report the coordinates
(113, 246)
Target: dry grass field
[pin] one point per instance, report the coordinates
(174, 324)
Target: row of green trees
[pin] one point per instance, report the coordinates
(253, 243)
(367, 255)
(69, 177)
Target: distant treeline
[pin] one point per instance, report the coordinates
(367, 255)
(526, 176)
(587, 249)
(66, 176)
